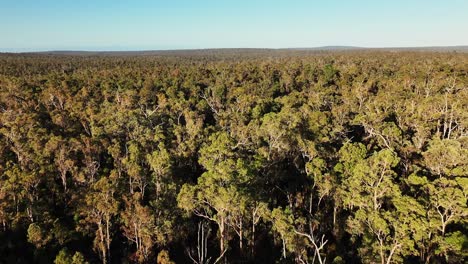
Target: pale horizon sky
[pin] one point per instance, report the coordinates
(183, 24)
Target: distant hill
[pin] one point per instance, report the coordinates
(434, 49)
(354, 48)
(330, 48)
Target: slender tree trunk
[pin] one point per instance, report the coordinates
(240, 235)
(108, 237)
(334, 216)
(136, 237)
(63, 176)
(102, 245)
(394, 248)
(428, 259)
(382, 254)
(253, 237)
(221, 233)
(284, 247)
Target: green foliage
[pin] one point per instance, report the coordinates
(276, 156)
(163, 258)
(64, 257)
(447, 157)
(37, 236)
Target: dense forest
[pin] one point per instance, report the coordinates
(234, 157)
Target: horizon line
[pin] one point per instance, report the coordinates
(330, 47)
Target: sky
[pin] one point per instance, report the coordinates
(40, 25)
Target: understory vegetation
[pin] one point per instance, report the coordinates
(228, 157)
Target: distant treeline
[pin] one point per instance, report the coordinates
(234, 156)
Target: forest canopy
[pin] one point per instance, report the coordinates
(228, 157)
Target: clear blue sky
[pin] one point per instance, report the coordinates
(182, 24)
